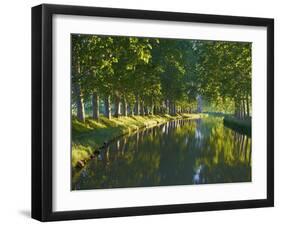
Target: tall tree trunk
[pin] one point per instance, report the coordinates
(199, 104)
(107, 105)
(132, 110)
(167, 106)
(172, 108)
(145, 110)
(117, 107)
(95, 105)
(79, 103)
(238, 109)
(248, 106)
(163, 107)
(137, 105)
(142, 108)
(244, 108)
(152, 108)
(241, 108)
(156, 110)
(235, 108)
(125, 107)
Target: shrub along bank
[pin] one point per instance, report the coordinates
(243, 126)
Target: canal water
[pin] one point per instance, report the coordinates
(180, 152)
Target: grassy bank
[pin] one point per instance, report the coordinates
(243, 126)
(91, 135)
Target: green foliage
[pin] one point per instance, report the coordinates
(224, 73)
(163, 74)
(242, 126)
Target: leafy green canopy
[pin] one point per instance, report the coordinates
(154, 70)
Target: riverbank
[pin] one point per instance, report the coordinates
(91, 135)
(243, 126)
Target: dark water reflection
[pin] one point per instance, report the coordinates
(180, 152)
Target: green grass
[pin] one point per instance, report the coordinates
(89, 136)
(243, 126)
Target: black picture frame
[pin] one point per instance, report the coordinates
(42, 111)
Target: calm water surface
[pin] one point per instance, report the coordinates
(180, 152)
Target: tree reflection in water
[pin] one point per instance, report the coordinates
(180, 152)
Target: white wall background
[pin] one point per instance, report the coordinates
(15, 113)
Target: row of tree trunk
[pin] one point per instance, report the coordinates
(122, 108)
(242, 108)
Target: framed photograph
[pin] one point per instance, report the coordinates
(146, 112)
